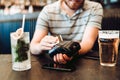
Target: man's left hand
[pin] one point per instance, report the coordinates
(61, 58)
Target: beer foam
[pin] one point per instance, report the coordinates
(108, 34)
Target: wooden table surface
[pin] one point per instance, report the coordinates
(86, 69)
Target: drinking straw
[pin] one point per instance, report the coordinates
(23, 22)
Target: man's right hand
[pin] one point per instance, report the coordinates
(48, 42)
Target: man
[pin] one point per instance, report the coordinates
(74, 20)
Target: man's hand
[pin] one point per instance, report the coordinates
(64, 51)
(61, 58)
(48, 42)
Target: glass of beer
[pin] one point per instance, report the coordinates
(108, 47)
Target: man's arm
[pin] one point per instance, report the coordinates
(88, 39)
(35, 42)
(42, 41)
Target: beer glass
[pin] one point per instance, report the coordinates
(108, 47)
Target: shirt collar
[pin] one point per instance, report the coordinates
(64, 13)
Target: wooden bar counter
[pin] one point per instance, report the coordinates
(86, 69)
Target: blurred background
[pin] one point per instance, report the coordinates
(22, 6)
(25, 6)
(11, 13)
